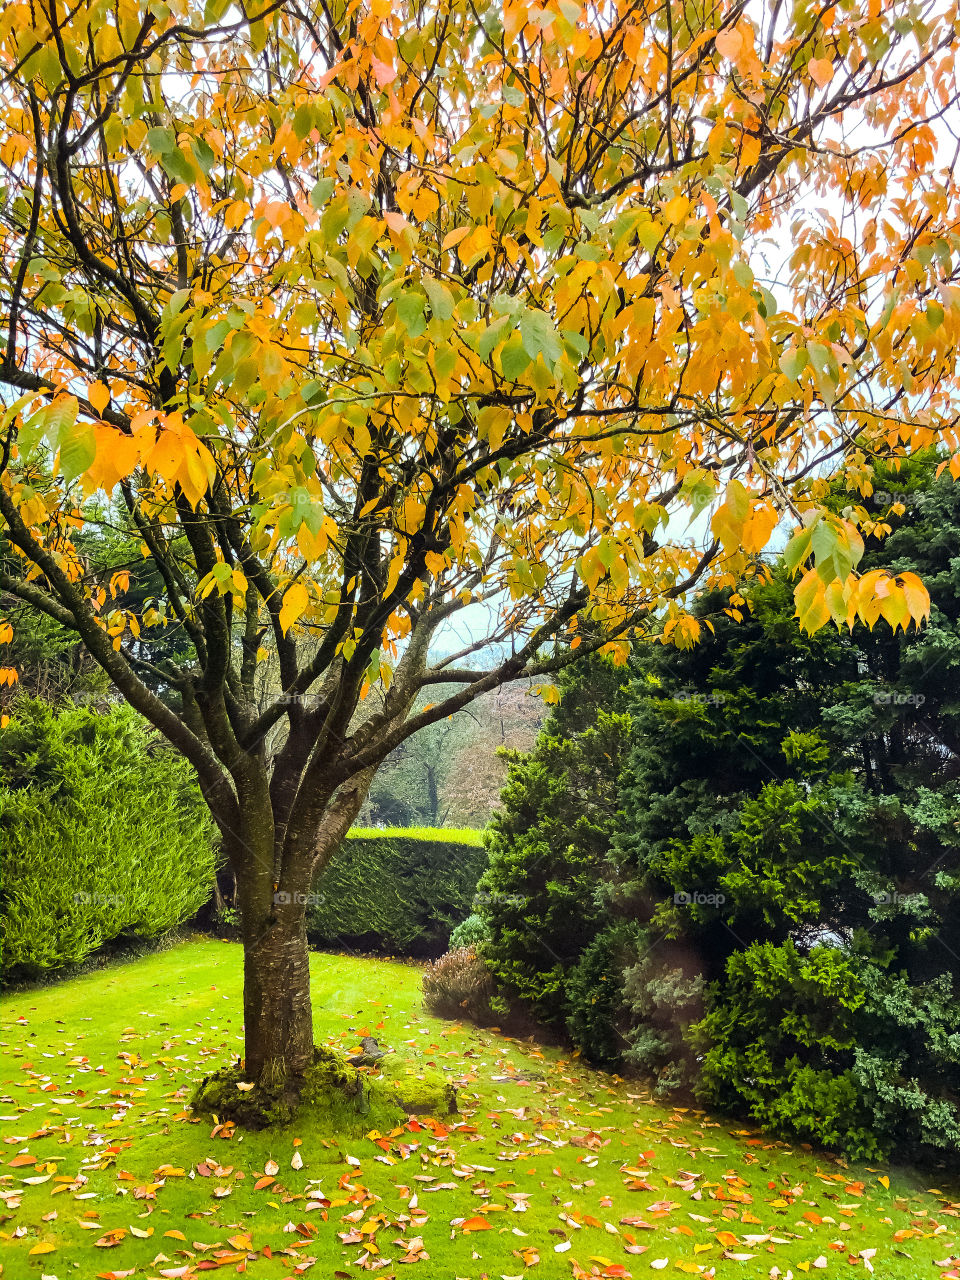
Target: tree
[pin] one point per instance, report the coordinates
(407, 790)
(452, 772)
(360, 314)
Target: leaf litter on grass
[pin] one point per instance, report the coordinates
(549, 1166)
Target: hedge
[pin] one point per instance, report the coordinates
(398, 891)
(103, 836)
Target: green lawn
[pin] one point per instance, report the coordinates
(445, 835)
(549, 1168)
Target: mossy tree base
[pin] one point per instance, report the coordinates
(331, 1095)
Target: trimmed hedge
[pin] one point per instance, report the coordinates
(103, 836)
(399, 891)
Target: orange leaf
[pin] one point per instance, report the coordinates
(729, 43)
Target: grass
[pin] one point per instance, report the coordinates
(447, 835)
(549, 1169)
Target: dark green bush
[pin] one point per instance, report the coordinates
(549, 842)
(772, 791)
(663, 989)
(396, 891)
(103, 831)
(597, 1018)
(832, 1048)
(908, 1070)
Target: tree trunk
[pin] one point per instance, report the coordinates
(272, 894)
(277, 1013)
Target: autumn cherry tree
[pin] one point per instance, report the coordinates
(354, 316)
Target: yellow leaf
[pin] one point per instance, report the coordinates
(810, 597)
(729, 519)
(916, 595)
(453, 238)
(675, 210)
(295, 602)
(98, 395)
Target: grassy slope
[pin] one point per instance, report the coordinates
(567, 1139)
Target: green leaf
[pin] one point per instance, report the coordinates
(203, 153)
(78, 448)
(826, 370)
(768, 303)
(793, 362)
(700, 487)
(441, 299)
(410, 309)
(334, 220)
(649, 234)
(823, 541)
(176, 165)
(797, 549)
(161, 141)
(743, 274)
(514, 358)
(445, 360)
(46, 66)
(539, 336)
(322, 192)
(57, 419)
(303, 120)
(491, 337)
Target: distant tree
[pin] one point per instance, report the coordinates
(408, 788)
(452, 772)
